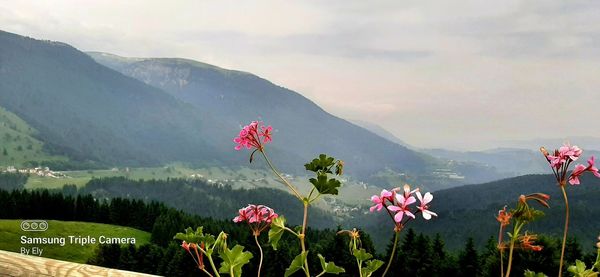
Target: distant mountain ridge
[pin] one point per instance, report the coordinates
(147, 112)
(380, 131)
(509, 161)
(88, 112)
(236, 97)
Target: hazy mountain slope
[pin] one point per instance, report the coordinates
(509, 161)
(585, 142)
(380, 131)
(87, 111)
(302, 129)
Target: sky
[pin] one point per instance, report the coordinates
(455, 74)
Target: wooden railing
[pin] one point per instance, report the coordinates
(15, 264)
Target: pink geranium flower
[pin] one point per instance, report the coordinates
(423, 207)
(573, 152)
(556, 160)
(580, 169)
(565, 153)
(266, 133)
(401, 207)
(258, 217)
(379, 201)
(250, 136)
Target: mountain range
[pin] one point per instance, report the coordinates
(105, 110)
(302, 129)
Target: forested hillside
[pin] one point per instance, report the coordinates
(88, 112)
(469, 211)
(419, 254)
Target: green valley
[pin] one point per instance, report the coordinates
(19, 144)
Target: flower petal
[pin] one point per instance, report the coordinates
(398, 217)
(428, 197)
(394, 208)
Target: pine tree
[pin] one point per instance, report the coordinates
(420, 261)
(572, 251)
(127, 259)
(468, 260)
(406, 251)
(107, 255)
(438, 257)
(490, 259)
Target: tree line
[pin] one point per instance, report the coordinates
(420, 254)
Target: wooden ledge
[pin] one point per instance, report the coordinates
(15, 264)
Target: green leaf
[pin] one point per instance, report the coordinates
(529, 273)
(361, 254)
(276, 231)
(325, 185)
(234, 259)
(297, 264)
(197, 237)
(580, 270)
(330, 267)
(371, 267)
(321, 164)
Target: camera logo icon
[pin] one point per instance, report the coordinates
(34, 225)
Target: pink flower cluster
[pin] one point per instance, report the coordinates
(258, 217)
(580, 169)
(398, 203)
(253, 135)
(561, 159)
(564, 154)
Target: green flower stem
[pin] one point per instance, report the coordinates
(513, 239)
(501, 262)
(396, 237)
(212, 264)
(290, 186)
(510, 256)
(261, 254)
(359, 263)
(597, 263)
(291, 231)
(310, 194)
(501, 249)
(564, 241)
(303, 235)
(306, 202)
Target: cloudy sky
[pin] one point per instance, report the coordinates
(463, 74)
